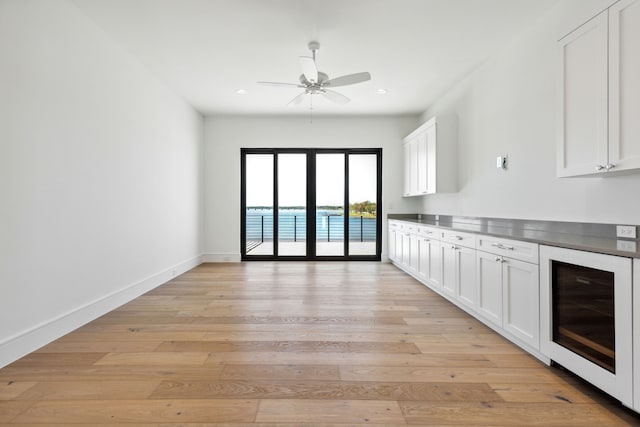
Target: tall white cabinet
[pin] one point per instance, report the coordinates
(430, 158)
(599, 130)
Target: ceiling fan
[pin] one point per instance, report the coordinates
(316, 82)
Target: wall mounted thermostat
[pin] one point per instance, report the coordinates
(501, 162)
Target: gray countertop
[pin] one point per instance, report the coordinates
(600, 238)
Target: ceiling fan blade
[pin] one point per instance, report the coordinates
(349, 79)
(336, 97)
(279, 84)
(309, 68)
(297, 100)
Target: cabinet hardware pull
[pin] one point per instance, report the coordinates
(498, 258)
(609, 166)
(599, 167)
(501, 246)
(426, 240)
(457, 237)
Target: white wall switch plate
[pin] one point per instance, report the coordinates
(626, 231)
(626, 245)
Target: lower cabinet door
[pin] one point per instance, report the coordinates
(521, 299)
(466, 276)
(489, 276)
(398, 245)
(449, 277)
(406, 248)
(430, 264)
(414, 257)
(391, 245)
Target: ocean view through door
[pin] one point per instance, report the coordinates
(310, 204)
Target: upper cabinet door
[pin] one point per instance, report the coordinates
(624, 85)
(431, 157)
(407, 169)
(422, 163)
(582, 138)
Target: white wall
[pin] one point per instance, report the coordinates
(100, 164)
(224, 136)
(508, 107)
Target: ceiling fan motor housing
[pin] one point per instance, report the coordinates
(322, 77)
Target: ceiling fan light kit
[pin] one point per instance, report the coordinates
(316, 82)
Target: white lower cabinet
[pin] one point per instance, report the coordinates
(448, 262)
(398, 245)
(405, 243)
(489, 276)
(391, 243)
(414, 252)
(430, 267)
(509, 295)
(466, 276)
(458, 273)
(521, 301)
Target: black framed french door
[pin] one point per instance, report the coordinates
(311, 203)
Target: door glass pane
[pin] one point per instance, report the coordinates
(330, 204)
(259, 199)
(292, 204)
(583, 312)
(362, 204)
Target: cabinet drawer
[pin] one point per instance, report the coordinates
(459, 238)
(429, 232)
(524, 251)
(409, 227)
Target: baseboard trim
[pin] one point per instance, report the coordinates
(221, 258)
(19, 345)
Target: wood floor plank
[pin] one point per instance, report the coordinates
(345, 336)
(561, 414)
(10, 409)
(543, 393)
(58, 359)
(469, 347)
(330, 411)
(87, 346)
(154, 358)
(458, 374)
(303, 320)
(83, 390)
(357, 359)
(10, 389)
(115, 372)
(280, 372)
(134, 411)
(288, 346)
(327, 390)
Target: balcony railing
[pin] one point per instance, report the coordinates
(293, 228)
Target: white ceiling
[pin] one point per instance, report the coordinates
(208, 49)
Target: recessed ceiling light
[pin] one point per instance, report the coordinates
(381, 91)
(241, 92)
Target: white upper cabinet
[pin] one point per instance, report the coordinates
(598, 129)
(430, 154)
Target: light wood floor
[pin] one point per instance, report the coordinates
(293, 344)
